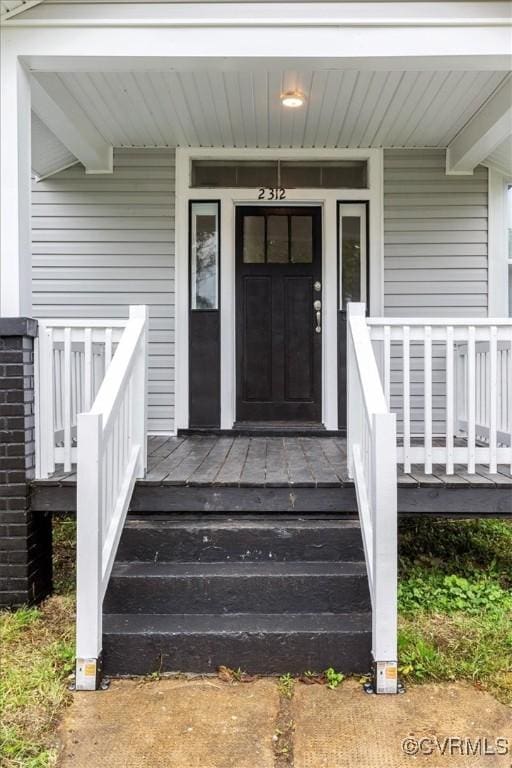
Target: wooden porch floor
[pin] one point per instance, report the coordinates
(275, 462)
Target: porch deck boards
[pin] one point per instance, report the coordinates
(239, 461)
(276, 462)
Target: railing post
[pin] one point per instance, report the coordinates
(89, 552)
(138, 415)
(37, 406)
(384, 503)
(353, 398)
(45, 445)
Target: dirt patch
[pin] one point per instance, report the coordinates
(283, 738)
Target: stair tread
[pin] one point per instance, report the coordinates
(228, 569)
(229, 523)
(235, 623)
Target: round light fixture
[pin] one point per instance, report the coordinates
(293, 99)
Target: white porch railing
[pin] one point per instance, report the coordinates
(71, 358)
(493, 393)
(469, 362)
(111, 455)
(371, 444)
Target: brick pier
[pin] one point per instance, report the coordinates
(25, 537)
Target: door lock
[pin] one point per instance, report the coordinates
(317, 306)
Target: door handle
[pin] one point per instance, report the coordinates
(317, 306)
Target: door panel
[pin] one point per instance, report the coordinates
(299, 356)
(279, 351)
(257, 343)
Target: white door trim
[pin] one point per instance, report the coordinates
(230, 198)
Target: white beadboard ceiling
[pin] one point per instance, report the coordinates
(501, 158)
(16, 6)
(48, 153)
(6, 6)
(243, 109)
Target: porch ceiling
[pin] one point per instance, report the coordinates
(12, 7)
(343, 108)
(501, 158)
(49, 155)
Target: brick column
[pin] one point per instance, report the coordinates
(25, 537)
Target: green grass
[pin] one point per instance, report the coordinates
(455, 602)
(36, 658)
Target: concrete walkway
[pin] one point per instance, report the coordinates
(208, 723)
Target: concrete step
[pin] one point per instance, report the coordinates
(139, 644)
(189, 538)
(235, 587)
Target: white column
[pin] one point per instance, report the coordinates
(182, 291)
(15, 168)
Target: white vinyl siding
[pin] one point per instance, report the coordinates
(435, 237)
(435, 260)
(101, 243)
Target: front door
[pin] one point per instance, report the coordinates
(279, 314)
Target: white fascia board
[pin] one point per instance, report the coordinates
(359, 14)
(55, 106)
(491, 125)
(95, 48)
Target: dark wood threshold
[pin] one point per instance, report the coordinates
(265, 429)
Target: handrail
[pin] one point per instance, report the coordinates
(90, 322)
(118, 372)
(369, 377)
(111, 455)
(371, 444)
(443, 321)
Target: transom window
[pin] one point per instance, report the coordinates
(288, 174)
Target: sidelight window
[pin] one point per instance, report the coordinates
(352, 254)
(204, 255)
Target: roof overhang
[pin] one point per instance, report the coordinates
(485, 131)
(240, 40)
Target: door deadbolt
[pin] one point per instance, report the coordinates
(317, 286)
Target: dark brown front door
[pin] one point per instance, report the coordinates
(278, 283)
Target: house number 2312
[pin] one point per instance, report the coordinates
(272, 193)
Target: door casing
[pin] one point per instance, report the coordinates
(230, 198)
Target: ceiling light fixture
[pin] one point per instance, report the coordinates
(293, 99)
